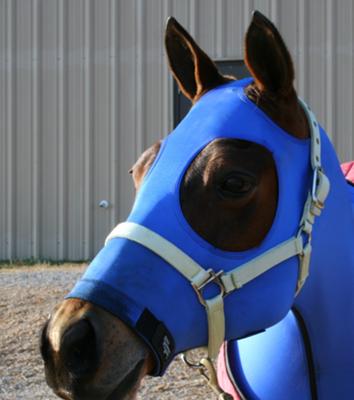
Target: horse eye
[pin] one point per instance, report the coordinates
(236, 185)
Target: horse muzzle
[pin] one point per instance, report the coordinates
(83, 346)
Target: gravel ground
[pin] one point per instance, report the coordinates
(27, 296)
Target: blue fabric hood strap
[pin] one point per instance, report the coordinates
(158, 336)
(299, 245)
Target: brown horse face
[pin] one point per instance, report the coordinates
(90, 354)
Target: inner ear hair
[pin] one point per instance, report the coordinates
(271, 66)
(268, 58)
(193, 70)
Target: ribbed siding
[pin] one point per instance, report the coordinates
(85, 88)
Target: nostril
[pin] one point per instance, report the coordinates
(79, 349)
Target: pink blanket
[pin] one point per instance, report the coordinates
(348, 171)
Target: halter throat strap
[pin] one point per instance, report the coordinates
(228, 282)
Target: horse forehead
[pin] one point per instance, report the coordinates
(229, 150)
(225, 112)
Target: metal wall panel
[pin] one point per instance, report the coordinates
(85, 88)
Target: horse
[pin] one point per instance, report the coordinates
(239, 239)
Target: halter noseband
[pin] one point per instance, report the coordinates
(299, 245)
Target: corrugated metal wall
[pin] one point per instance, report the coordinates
(85, 88)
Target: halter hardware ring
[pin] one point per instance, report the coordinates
(189, 363)
(305, 229)
(315, 185)
(206, 368)
(214, 277)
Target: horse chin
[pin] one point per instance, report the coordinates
(128, 387)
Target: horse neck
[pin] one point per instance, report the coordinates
(326, 302)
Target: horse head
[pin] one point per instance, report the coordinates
(213, 196)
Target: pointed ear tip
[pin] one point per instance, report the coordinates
(257, 16)
(171, 22)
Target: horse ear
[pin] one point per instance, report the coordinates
(267, 57)
(193, 70)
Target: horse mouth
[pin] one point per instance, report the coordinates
(128, 386)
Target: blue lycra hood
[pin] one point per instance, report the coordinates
(144, 291)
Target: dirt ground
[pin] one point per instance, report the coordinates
(27, 296)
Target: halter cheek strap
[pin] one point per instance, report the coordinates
(228, 282)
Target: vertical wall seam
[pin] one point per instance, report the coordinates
(36, 187)
(302, 46)
(58, 130)
(214, 52)
(297, 46)
(219, 29)
(11, 127)
(119, 109)
(158, 50)
(140, 52)
(329, 75)
(3, 134)
(351, 126)
(88, 127)
(62, 129)
(274, 12)
(113, 169)
(167, 94)
(193, 19)
(247, 11)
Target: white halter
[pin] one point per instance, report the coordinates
(299, 245)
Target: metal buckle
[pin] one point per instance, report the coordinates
(306, 228)
(214, 277)
(316, 173)
(303, 230)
